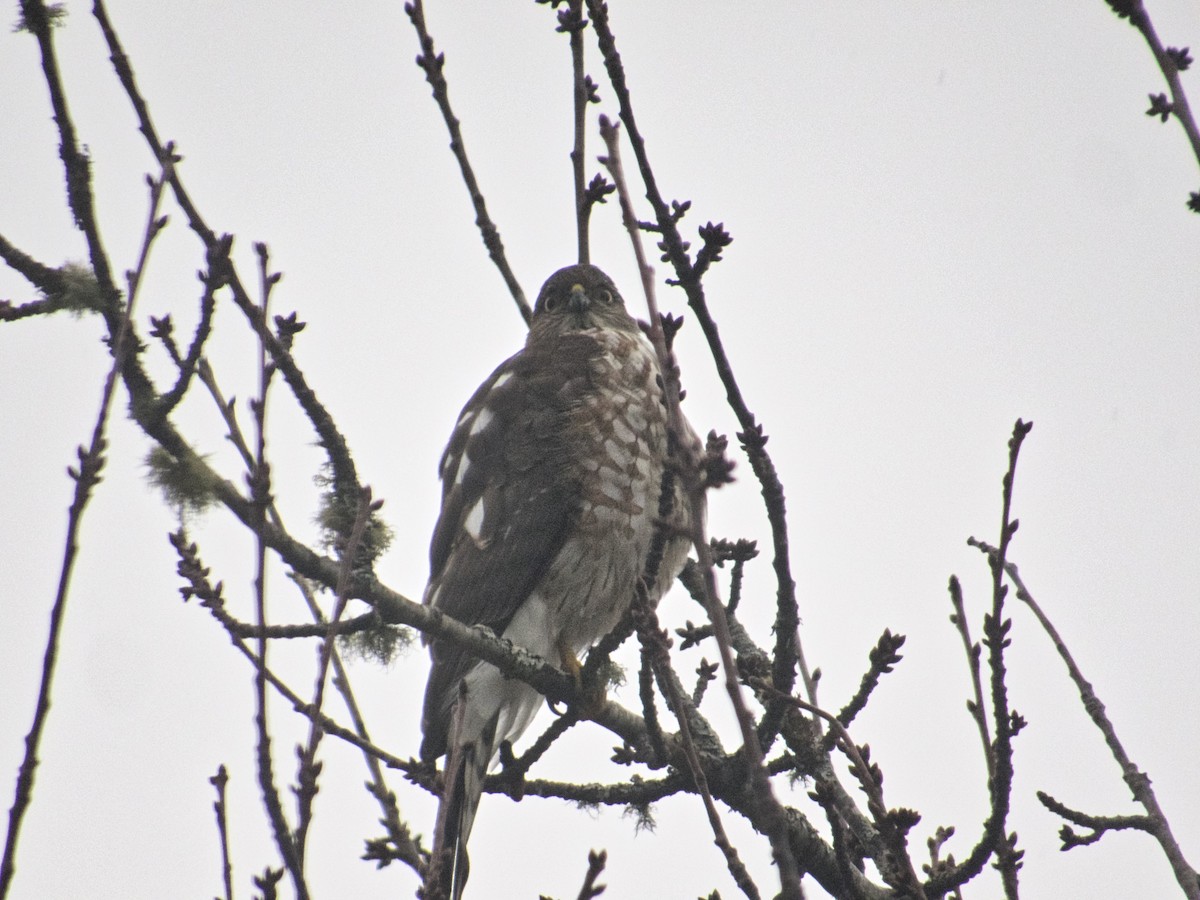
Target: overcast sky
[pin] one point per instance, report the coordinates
(945, 215)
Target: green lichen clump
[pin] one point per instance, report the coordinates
(187, 488)
(381, 643)
(81, 291)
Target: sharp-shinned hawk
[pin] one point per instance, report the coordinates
(550, 500)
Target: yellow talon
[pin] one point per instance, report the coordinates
(569, 661)
(590, 701)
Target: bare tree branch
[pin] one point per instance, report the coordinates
(86, 477)
(219, 781)
(690, 760)
(1007, 723)
(1137, 780)
(431, 63)
(345, 476)
(1171, 61)
(753, 440)
(771, 811)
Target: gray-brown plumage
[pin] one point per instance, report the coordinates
(550, 490)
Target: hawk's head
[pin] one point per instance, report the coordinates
(577, 298)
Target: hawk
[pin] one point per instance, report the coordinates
(550, 502)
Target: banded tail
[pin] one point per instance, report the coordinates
(467, 762)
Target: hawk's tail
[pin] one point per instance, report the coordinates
(466, 766)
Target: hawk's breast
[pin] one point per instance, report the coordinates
(618, 446)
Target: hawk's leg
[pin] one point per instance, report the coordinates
(569, 661)
(592, 697)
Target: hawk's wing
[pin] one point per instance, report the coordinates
(509, 498)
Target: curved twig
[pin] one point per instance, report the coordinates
(187, 364)
(972, 650)
(1171, 61)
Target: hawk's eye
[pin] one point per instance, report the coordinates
(553, 302)
(606, 296)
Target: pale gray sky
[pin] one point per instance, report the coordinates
(945, 215)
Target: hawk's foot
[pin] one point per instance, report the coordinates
(593, 696)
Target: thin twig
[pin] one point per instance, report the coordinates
(572, 21)
(260, 493)
(610, 132)
(596, 863)
(86, 477)
(187, 365)
(996, 639)
(516, 768)
(838, 829)
(809, 678)
(1137, 780)
(773, 819)
(752, 437)
(649, 709)
(1097, 824)
(432, 63)
(975, 706)
(47, 280)
(76, 163)
(219, 781)
(884, 656)
(1170, 62)
(306, 788)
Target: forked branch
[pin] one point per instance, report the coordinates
(1138, 781)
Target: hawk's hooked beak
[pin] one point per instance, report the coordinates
(578, 301)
